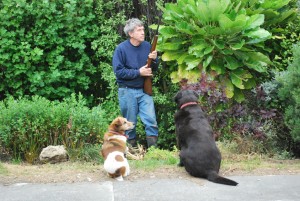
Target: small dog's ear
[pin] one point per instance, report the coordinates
(118, 122)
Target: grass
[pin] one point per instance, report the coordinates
(231, 161)
(254, 162)
(3, 170)
(157, 158)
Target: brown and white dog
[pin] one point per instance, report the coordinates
(114, 148)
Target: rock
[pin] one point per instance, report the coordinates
(54, 154)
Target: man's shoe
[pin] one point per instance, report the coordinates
(132, 142)
(151, 141)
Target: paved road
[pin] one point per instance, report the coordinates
(250, 188)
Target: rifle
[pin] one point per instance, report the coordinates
(148, 79)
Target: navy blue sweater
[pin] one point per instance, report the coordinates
(127, 60)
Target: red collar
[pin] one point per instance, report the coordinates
(114, 132)
(188, 103)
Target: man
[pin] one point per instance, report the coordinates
(130, 68)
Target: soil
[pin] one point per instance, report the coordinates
(70, 172)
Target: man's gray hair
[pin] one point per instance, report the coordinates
(131, 24)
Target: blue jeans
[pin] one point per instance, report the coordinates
(134, 102)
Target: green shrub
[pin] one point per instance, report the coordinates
(27, 126)
(289, 93)
(56, 48)
(87, 153)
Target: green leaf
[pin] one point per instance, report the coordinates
(171, 55)
(255, 21)
(238, 95)
(174, 77)
(250, 84)
(208, 50)
(224, 22)
(254, 60)
(181, 59)
(257, 56)
(199, 30)
(197, 48)
(227, 51)
(239, 76)
(192, 62)
(190, 8)
(238, 46)
(168, 32)
(218, 67)
(207, 61)
(232, 63)
(173, 11)
(274, 4)
(257, 66)
(287, 15)
(231, 26)
(229, 88)
(193, 76)
(237, 80)
(220, 44)
(202, 13)
(259, 33)
(184, 27)
(172, 46)
(216, 31)
(216, 9)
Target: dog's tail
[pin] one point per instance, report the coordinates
(214, 177)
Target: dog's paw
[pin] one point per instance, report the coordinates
(120, 178)
(180, 164)
(127, 173)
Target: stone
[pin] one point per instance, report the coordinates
(54, 154)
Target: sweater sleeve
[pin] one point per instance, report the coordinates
(120, 69)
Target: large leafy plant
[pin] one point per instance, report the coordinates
(215, 37)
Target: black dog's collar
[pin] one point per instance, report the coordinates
(188, 103)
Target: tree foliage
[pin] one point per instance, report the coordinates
(53, 48)
(290, 94)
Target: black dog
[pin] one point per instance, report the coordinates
(198, 151)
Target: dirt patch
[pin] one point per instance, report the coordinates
(73, 172)
(70, 172)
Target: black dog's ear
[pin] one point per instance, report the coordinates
(177, 96)
(196, 94)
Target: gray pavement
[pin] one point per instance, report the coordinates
(250, 188)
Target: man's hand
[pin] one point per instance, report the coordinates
(145, 71)
(153, 55)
